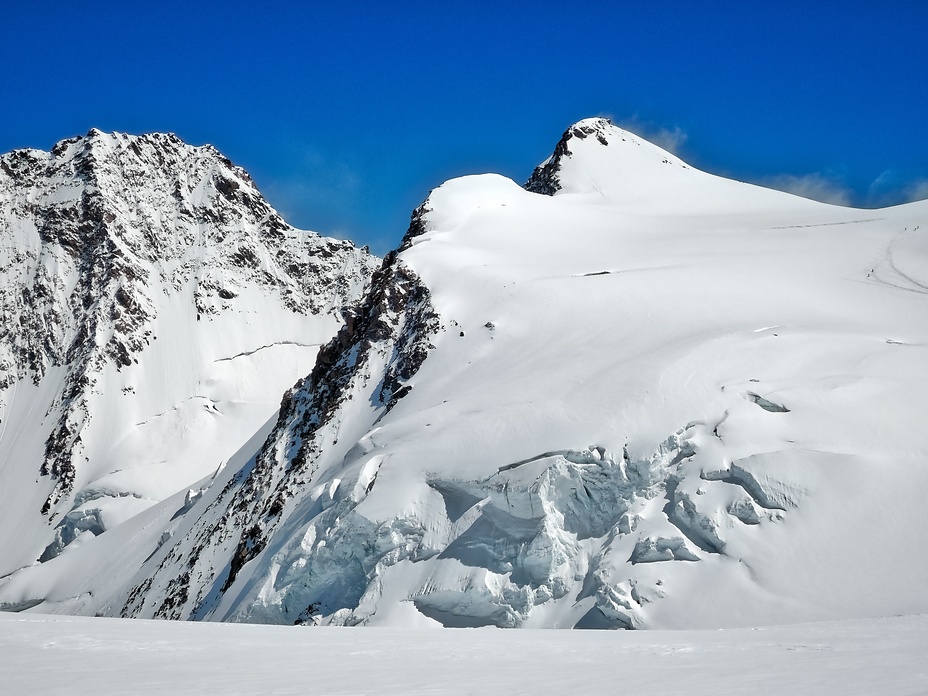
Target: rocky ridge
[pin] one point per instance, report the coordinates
(367, 367)
(105, 236)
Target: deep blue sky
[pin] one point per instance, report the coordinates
(347, 116)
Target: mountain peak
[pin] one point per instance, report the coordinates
(579, 156)
(597, 158)
(112, 237)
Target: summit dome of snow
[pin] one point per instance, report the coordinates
(630, 394)
(614, 166)
(154, 307)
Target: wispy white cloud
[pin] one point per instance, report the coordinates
(818, 186)
(916, 190)
(671, 139)
(884, 190)
(893, 188)
(889, 188)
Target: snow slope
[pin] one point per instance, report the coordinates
(154, 307)
(60, 655)
(630, 394)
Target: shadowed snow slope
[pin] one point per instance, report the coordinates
(631, 394)
(154, 307)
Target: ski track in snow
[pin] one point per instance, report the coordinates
(826, 224)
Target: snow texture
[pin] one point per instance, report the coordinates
(61, 655)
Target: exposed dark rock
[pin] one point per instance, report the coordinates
(416, 227)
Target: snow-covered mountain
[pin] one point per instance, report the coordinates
(154, 307)
(628, 394)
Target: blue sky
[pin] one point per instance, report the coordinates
(347, 117)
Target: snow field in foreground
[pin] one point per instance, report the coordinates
(86, 655)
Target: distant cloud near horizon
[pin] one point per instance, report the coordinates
(817, 186)
(917, 190)
(887, 189)
(893, 188)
